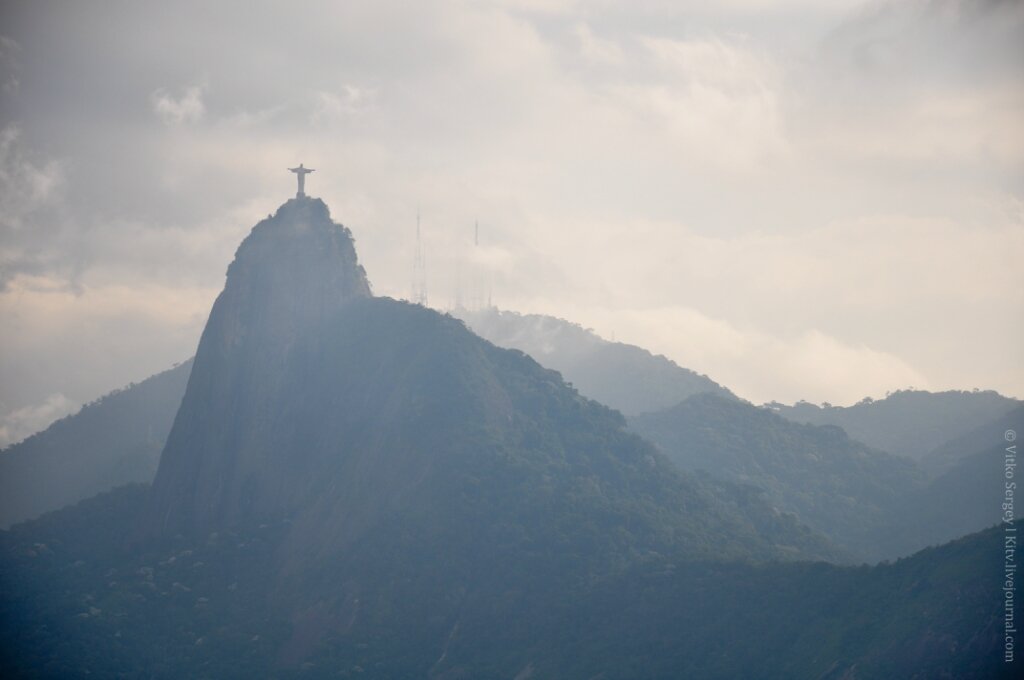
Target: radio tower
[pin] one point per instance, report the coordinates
(419, 269)
(482, 282)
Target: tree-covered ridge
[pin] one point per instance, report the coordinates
(907, 422)
(968, 483)
(114, 440)
(626, 377)
(76, 600)
(990, 435)
(851, 493)
(935, 614)
(393, 409)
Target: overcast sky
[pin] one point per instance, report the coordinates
(800, 198)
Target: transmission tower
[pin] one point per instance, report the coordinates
(419, 269)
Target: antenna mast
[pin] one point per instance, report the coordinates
(419, 269)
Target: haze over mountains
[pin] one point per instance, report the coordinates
(625, 377)
(358, 486)
(873, 504)
(314, 402)
(751, 201)
(850, 492)
(136, 420)
(115, 440)
(907, 422)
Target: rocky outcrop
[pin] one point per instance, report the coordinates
(226, 455)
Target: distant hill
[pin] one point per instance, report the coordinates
(849, 492)
(909, 422)
(967, 487)
(985, 438)
(963, 499)
(933, 615)
(874, 504)
(112, 441)
(625, 377)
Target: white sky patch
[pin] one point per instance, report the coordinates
(886, 297)
(105, 336)
(24, 183)
(348, 100)
(975, 126)
(596, 49)
(756, 365)
(188, 107)
(717, 99)
(20, 423)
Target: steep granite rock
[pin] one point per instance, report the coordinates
(227, 454)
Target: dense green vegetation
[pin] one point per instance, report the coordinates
(415, 601)
(984, 439)
(907, 422)
(853, 494)
(112, 441)
(871, 503)
(625, 377)
(392, 408)
(964, 497)
(76, 601)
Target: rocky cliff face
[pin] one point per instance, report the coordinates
(226, 456)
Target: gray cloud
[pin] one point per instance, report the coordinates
(187, 108)
(761, 189)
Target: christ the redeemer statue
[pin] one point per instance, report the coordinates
(301, 171)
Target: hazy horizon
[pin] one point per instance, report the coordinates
(803, 200)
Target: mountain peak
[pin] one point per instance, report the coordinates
(296, 271)
(302, 251)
